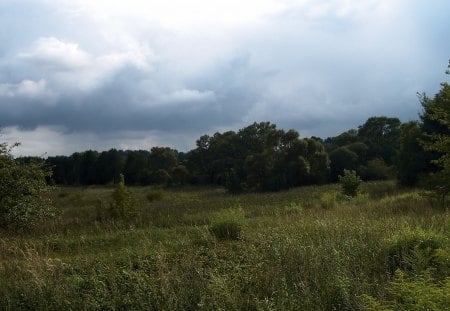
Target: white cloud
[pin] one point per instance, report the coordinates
(27, 89)
(173, 14)
(67, 67)
(60, 55)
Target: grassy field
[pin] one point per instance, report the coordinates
(304, 249)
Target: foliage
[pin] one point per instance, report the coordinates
(22, 189)
(259, 157)
(415, 251)
(375, 169)
(342, 159)
(412, 294)
(435, 124)
(180, 175)
(411, 159)
(350, 183)
(161, 177)
(227, 224)
(381, 135)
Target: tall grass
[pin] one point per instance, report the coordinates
(303, 249)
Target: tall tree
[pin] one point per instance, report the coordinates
(436, 125)
(412, 160)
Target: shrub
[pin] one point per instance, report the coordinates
(227, 224)
(412, 293)
(22, 185)
(350, 183)
(416, 251)
(122, 205)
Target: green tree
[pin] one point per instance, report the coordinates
(180, 174)
(436, 124)
(381, 135)
(22, 186)
(342, 158)
(411, 160)
(122, 206)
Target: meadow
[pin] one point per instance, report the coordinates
(308, 248)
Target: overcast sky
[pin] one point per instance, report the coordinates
(101, 74)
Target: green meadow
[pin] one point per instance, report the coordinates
(308, 248)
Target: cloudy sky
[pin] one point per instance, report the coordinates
(101, 74)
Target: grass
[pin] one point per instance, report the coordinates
(303, 249)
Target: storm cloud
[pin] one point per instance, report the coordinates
(100, 74)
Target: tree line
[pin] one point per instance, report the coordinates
(262, 157)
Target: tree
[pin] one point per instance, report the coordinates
(411, 159)
(381, 135)
(22, 185)
(180, 174)
(137, 167)
(342, 158)
(436, 124)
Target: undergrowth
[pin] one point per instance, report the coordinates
(308, 248)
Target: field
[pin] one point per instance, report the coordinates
(308, 248)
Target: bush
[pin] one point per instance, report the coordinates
(227, 224)
(22, 185)
(415, 251)
(350, 183)
(122, 205)
(412, 293)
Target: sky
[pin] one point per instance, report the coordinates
(100, 74)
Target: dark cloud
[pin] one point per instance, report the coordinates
(320, 69)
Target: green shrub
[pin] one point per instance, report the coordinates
(227, 224)
(416, 251)
(412, 293)
(155, 195)
(350, 183)
(122, 205)
(22, 188)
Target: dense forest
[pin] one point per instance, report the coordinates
(261, 157)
